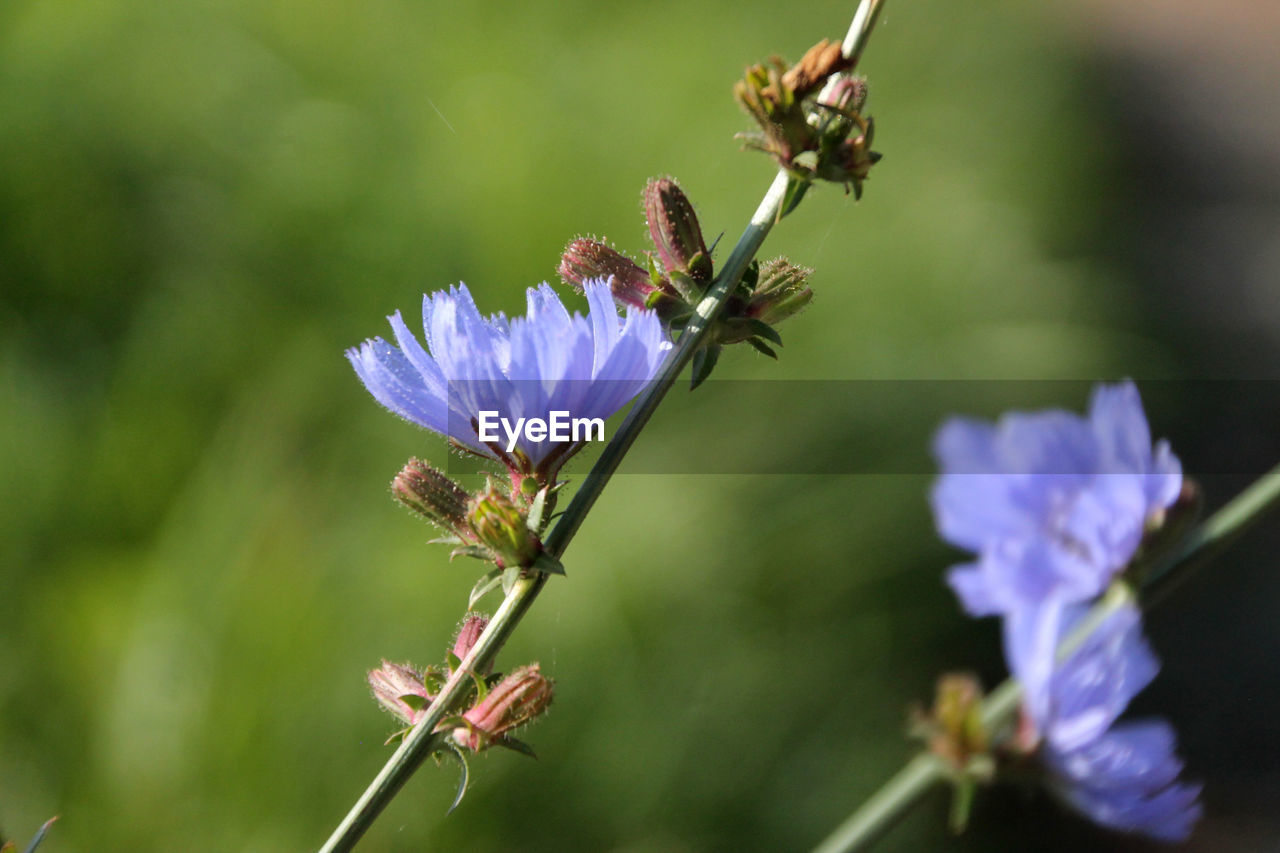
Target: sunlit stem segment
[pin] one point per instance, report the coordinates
(420, 742)
(878, 814)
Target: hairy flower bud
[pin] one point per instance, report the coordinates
(847, 94)
(957, 714)
(429, 492)
(676, 234)
(468, 633)
(518, 698)
(500, 526)
(399, 689)
(585, 259)
(780, 291)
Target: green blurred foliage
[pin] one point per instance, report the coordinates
(203, 203)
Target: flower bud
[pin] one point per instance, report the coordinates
(429, 492)
(780, 291)
(813, 135)
(400, 690)
(585, 259)
(500, 526)
(518, 698)
(954, 729)
(676, 235)
(468, 633)
(848, 94)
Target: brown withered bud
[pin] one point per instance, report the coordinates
(585, 259)
(431, 493)
(676, 234)
(811, 72)
(810, 133)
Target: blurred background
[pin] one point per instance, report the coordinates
(203, 203)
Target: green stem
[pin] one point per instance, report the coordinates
(878, 814)
(420, 741)
(885, 806)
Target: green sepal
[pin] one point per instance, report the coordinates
(414, 701)
(655, 274)
(509, 578)
(455, 662)
(751, 276)
(704, 361)
(762, 347)
(536, 510)
(796, 188)
(453, 750)
(761, 329)
(700, 267)
(445, 540)
(962, 791)
(471, 551)
(482, 686)
(433, 680)
(516, 746)
(487, 583)
(685, 285)
(398, 735)
(677, 323)
(547, 564)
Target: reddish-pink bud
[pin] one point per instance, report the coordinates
(430, 492)
(468, 633)
(848, 94)
(584, 260)
(518, 698)
(399, 689)
(676, 234)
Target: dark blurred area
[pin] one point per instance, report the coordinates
(202, 204)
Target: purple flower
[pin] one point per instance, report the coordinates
(1122, 776)
(525, 367)
(1054, 505)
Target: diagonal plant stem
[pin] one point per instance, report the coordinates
(422, 739)
(879, 813)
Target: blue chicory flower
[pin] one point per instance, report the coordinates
(1055, 505)
(1122, 776)
(524, 367)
